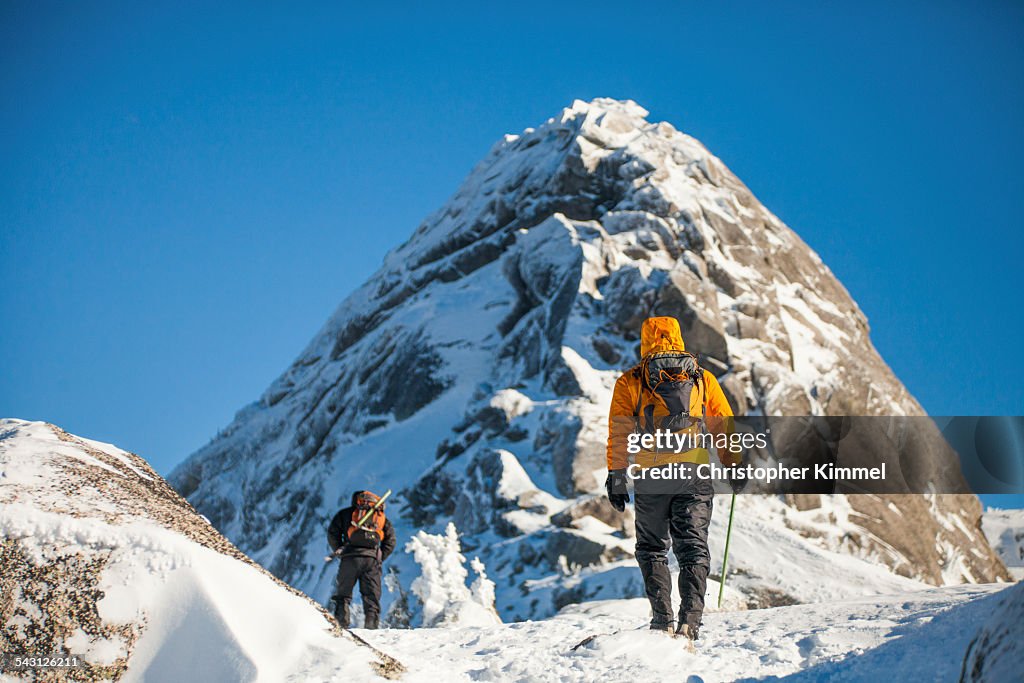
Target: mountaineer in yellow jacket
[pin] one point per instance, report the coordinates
(667, 392)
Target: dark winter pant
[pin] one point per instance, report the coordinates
(680, 521)
(366, 570)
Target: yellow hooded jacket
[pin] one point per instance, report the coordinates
(659, 335)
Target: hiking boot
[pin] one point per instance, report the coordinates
(371, 620)
(686, 631)
(662, 625)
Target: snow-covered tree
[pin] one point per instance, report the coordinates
(442, 597)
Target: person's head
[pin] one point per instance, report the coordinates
(366, 497)
(660, 335)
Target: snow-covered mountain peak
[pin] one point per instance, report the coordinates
(584, 135)
(483, 352)
(600, 106)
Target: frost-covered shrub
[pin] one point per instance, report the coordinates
(442, 597)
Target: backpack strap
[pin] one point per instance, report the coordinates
(637, 373)
(701, 387)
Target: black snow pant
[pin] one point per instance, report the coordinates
(366, 569)
(680, 520)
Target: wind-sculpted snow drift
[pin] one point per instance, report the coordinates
(473, 372)
(101, 560)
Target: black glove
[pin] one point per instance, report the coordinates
(615, 485)
(737, 484)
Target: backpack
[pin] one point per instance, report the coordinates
(371, 532)
(676, 377)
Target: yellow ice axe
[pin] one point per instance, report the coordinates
(372, 509)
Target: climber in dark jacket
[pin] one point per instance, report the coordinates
(361, 550)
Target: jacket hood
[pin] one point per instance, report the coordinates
(660, 335)
(358, 493)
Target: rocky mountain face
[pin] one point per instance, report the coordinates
(472, 373)
(102, 561)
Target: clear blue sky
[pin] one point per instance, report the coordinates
(187, 192)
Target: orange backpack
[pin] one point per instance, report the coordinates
(368, 508)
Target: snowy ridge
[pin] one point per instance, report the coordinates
(473, 371)
(103, 561)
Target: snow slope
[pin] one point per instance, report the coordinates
(996, 652)
(101, 559)
(920, 636)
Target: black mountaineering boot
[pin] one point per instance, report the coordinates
(371, 620)
(686, 631)
(663, 622)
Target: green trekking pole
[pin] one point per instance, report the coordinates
(725, 559)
